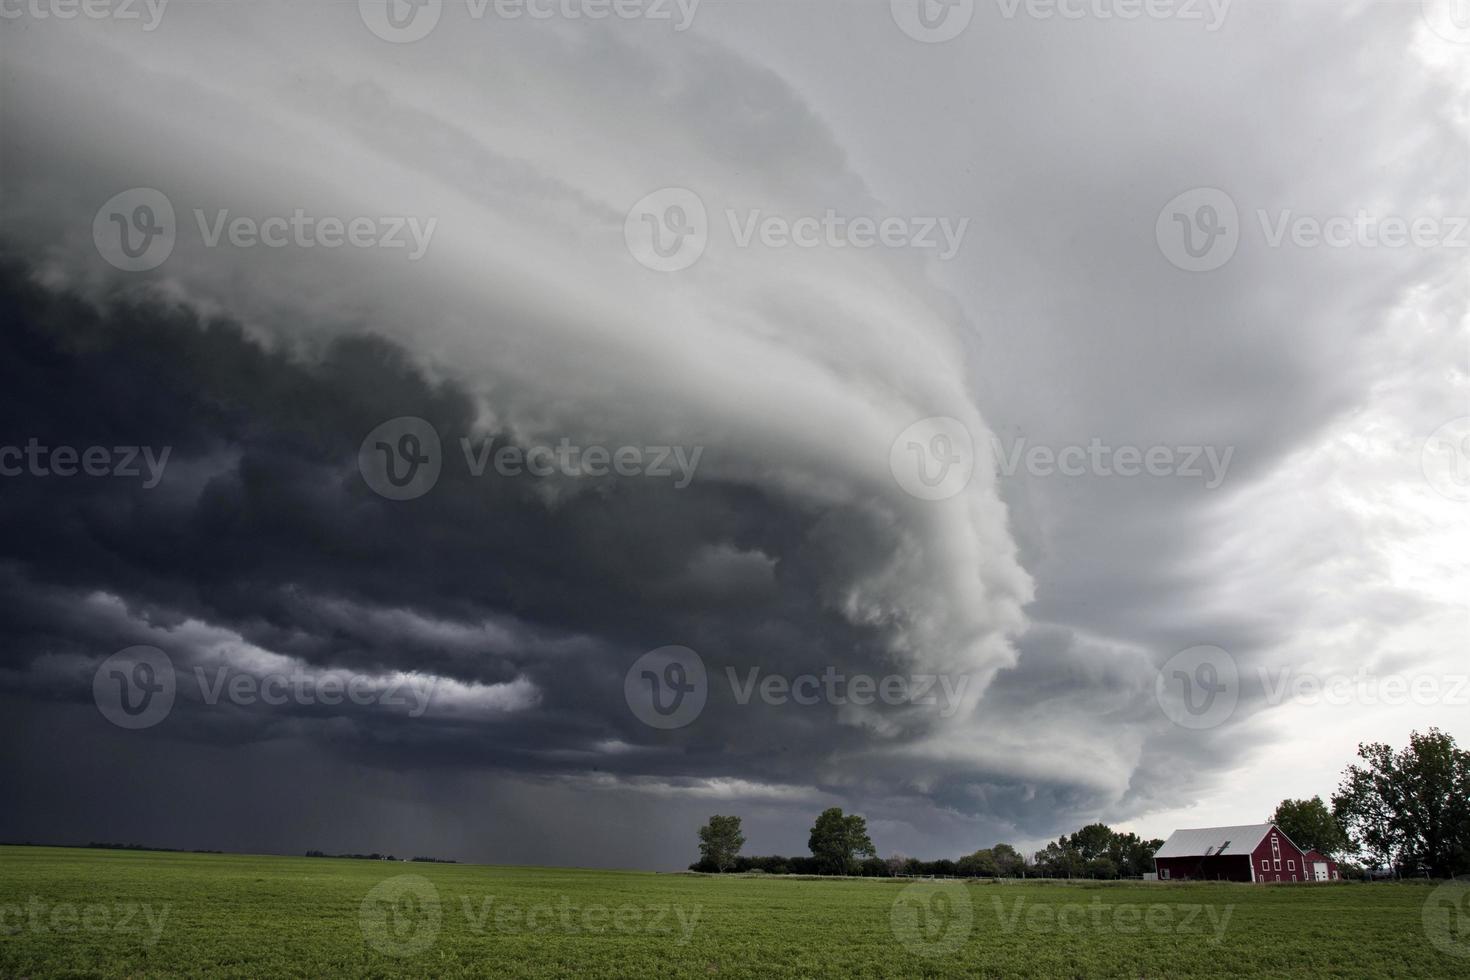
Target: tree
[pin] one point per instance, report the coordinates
(720, 841)
(1059, 860)
(837, 839)
(981, 864)
(1310, 825)
(1008, 861)
(1092, 841)
(1411, 808)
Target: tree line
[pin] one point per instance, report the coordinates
(840, 845)
(1406, 812)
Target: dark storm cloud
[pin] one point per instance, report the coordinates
(793, 549)
(264, 527)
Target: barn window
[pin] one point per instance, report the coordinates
(1291, 864)
(1293, 877)
(1278, 864)
(1265, 864)
(1164, 873)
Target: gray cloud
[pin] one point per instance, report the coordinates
(1059, 322)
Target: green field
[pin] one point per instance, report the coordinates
(72, 912)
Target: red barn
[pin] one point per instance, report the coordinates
(1321, 867)
(1254, 852)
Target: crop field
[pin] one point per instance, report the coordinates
(74, 912)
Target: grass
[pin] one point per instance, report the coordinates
(74, 912)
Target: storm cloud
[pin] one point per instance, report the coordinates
(494, 295)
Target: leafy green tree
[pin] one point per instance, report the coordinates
(981, 864)
(837, 839)
(720, 841)
(1093, 841)
(1008, 861)
(1409, 808)
(1060, 860)
(1311, 825)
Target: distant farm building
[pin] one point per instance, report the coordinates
(1254, 852)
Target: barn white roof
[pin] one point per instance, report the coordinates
(1213, 841)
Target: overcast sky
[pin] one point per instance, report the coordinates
(1094, 374)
